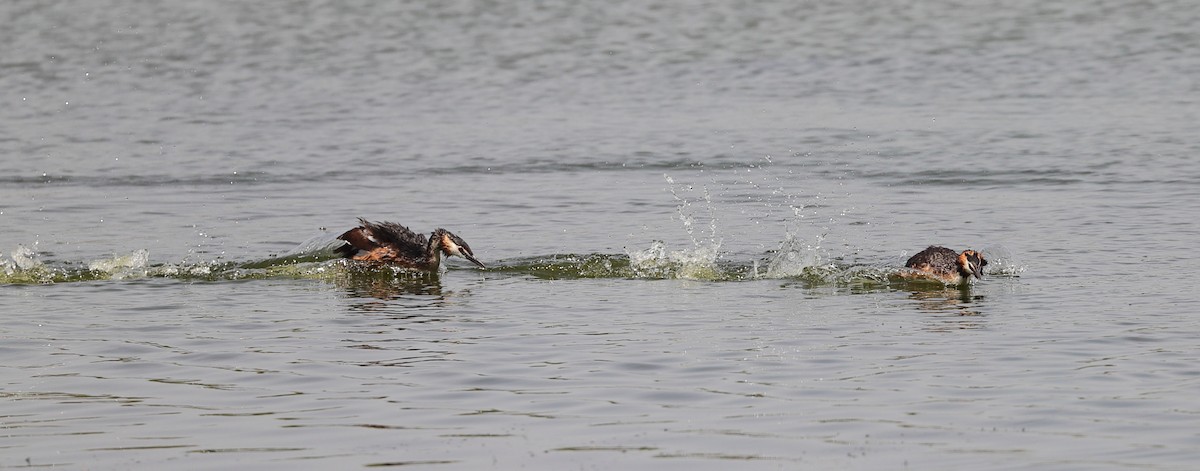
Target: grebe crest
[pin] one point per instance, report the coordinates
(946, 265)
(394, 244)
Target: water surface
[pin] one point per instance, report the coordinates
(688, 209)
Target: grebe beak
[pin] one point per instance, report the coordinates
(452, 245)
(472, 259)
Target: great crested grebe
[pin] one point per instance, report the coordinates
(945, 265)
(394, 244)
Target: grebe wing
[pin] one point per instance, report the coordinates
(369, 236)
(932, 256)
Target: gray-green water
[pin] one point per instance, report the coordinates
(688, 209)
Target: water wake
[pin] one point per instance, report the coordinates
(24, 266)
(796, 260)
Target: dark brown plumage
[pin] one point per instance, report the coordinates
(395, 244)
(945, 265)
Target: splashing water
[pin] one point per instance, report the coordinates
(801, 260)
(699, 263)
(25, 258)
(1001, 261)
(320, 244)
(795, 258)
(23, 266)
(688, 218)
(123, 266)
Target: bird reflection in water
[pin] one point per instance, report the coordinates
(387, 284)
(953, 307)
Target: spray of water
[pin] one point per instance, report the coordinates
(698, 262)
(123, 266)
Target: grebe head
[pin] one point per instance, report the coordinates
(454, 245)
(971, 263)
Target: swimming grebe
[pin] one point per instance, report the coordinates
(945, 265)
(394, 244)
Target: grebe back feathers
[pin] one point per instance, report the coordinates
(398, 245)
(947, 265)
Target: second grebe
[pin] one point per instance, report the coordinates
(394, 244)
(945, 265)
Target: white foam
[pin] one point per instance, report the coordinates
(25, 258)
(121, 266)
(6, 265)
(697, 263)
